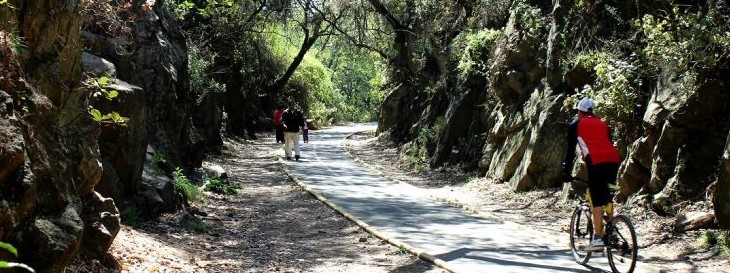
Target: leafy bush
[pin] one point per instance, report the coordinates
(684, 39)
(528, 18)
(222, 186)
(183, 185)
(616, 90)
(478, 50)
(198, 67)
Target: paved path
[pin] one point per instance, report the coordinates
(462, 242)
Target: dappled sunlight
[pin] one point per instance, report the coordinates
(408, 214)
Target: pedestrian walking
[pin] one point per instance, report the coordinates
(305, 131)
(278, 126)
(292, 121)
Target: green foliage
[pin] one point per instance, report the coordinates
(157, 157)
(5, 264)
(401, 250)
(478, 50)
(99, 88)
(183, 185)
(616, 91)
(222, 186)
(200, 80)
(684, 39)
(528, 18)
(210, 9)
(325, 103)
(357, 75)
(717, 241)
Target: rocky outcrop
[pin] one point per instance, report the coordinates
(524, 133)
(49, 149)
(152, 55)
(674, 137)
(685, 132)
(122, 145)
(144, 46)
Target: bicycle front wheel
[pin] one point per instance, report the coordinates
(581, 228)
(621, 245)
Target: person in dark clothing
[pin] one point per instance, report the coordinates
(278, 125)
(292, 120)
(305, 131)
(601, 158)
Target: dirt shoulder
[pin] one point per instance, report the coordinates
(270, 225)
(544, 210)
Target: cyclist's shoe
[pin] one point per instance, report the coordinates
(596, 245)
(297, 157)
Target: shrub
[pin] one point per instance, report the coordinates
(684, 39)
(717, 241)
(222, 186)
(183, 185)
(616, 91)
(478, 50)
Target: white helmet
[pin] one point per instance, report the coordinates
(586, 105)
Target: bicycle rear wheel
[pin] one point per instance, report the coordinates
(581, 230)
(622, 247)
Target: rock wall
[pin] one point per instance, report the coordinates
(49, 142)
(146, 55)
(685, 131)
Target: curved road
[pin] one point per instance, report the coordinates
(462, 242)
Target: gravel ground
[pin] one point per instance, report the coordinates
(270, 225)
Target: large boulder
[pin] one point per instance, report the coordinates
(101, 225)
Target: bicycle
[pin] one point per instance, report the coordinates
(619, 235)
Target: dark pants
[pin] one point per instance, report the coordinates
(305, 135)
(600, 178)
(280, 133)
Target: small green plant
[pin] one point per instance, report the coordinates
(684, 39)
(183, 185)
(222, 186)
(100, 89)
(717, 241)
(5, 264)
(401, 250)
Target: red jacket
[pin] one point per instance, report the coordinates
(277, 116)
(594, 139)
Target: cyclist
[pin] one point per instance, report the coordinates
(601, 158)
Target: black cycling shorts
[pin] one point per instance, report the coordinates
(599, 178)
